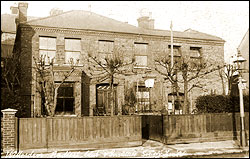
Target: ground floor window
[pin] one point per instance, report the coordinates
(65, 99)
(142, 98)
(178, 103)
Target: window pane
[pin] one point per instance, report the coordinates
(72, 44)
(69, 104)
(176, 50)
(68, 91)
(106, 46)
(60, 92)
(138, 95)
(47, 43)
(141, 60)
(145, 95)
(59, 105)
(141, 49)
(74, 55)
(194, 52)
(50, 54)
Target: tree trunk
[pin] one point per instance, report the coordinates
(173, 106)
(222, 82)
(54, 101)
(185, 107)
(111, 96)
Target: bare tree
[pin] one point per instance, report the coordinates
(226, 72)
(10, 73)
(190, 70)
(109, 68)
(11, 86)
(46, 79)
(163, 66)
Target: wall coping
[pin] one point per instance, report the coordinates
(9, 111)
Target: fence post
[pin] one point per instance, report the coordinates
(8, 130)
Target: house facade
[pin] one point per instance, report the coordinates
(75, 33)
(244, 50)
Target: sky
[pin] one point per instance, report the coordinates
(228, 20)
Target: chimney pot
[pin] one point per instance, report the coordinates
(14, 10)
(146, 22)
(22, 6)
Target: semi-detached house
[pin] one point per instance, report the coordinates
(69, 35)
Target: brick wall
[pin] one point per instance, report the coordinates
(8, 130)
(213, 52)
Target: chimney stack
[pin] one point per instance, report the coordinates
(146, 21)
(14, 9)
(22, 7)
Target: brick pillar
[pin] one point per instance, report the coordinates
(8, 129)
(92, 98)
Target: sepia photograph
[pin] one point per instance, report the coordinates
(125, 79)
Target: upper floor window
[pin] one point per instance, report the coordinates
(195, 52)
(72, 51)
(141, 54)
(176, 54)
(47, 48)
(106, 48)
(176, 51)
(195, 55)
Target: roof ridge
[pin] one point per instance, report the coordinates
(49, 16)
(109, 18)
(200, 33)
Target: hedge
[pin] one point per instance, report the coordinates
(220, 104)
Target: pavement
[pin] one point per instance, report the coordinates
(149, 149)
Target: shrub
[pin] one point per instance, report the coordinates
(220, 104)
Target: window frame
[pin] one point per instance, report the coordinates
(138, 53)
(195, 59)
(107, 52)
(140, 94)
(48, 49)
(64, 97)
(70, 51)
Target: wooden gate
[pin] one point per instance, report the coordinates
(79, 132)
(152, 127)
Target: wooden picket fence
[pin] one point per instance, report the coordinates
(79, 132)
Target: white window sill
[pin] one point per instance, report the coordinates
(73, 65)
(73, 115)
(47, 64)
(145, 67)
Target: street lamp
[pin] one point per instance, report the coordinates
(239, 60)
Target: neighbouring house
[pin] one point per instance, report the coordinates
(73, 33)
(244, 50)
(8, 31)
(8, 35)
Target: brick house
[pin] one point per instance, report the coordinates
(70, 34)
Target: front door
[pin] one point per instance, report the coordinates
(104, 99)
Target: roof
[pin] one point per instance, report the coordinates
(246, 37)
(79, 19)
(8, 23)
